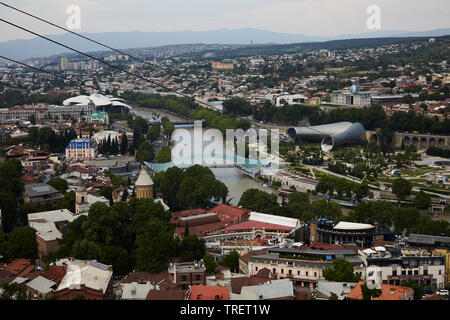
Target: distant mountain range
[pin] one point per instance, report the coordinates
(36, 47)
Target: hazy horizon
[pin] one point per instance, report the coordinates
(320, 18)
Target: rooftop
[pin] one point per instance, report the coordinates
(41, 285)
(92, 274)
(201, 292)
(352, 226)
(144, 179)
(39, 189)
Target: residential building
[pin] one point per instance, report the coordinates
(40, 288)
(137, 291)
(40, 194)
(81, 149)
(187, 273)
(395, 266)
(282, 289)
(90, 279)
(325, 289)
(49, 226)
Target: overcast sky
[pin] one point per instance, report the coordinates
(309, 17)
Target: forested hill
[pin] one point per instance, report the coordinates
(277, 49)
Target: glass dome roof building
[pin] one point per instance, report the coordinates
(354, 89)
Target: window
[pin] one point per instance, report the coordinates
(394, 272)
(416, 272)
(290, 272)
(306, 273)
(183, 278)
(282, 271)
(403, 272)
(409, 272)
(298, 273)
(256, 268)
(315, 274)
(425, 272)
(198, 277)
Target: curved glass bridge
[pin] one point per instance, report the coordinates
(249, 166)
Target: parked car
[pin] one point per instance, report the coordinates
(442, 292)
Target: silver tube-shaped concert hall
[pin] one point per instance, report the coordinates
(330, 135)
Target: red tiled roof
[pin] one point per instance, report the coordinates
(20, 267)
(201, 292)
(187, 213)
(166, 295)
(246, 257)
(435, 297)
(161, 278)
(238, 283)
(227, 212)
(28, 179)
(323, 246)
(249, 225)
(201, 229)
(55, 273)
(388, 292)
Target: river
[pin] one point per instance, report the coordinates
(236, 181)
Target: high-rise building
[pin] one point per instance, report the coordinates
(64, 64)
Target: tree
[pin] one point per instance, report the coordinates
(298, 206)
(124, 195)
(231, 260)
(13, 291)
(59, 184)
(107, 193)
(327, 209)
(22, 244)
(342, 271)
(167, 126)
(68, 202)
(155, 245)
(368, 294)
(86, 250)
(333, 296)
(192, 247)
(422, 200)
(32, 119)
(401, 188)
(117, 257)
(418, 290)
(164, 155)
(153, 132)
(186, 229)
(124, 145)
(145, 152)
(210, 263)
(194, 187)
(261, 201)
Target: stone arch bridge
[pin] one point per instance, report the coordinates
(421, 141)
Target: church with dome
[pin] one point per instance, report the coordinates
(144, 185)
